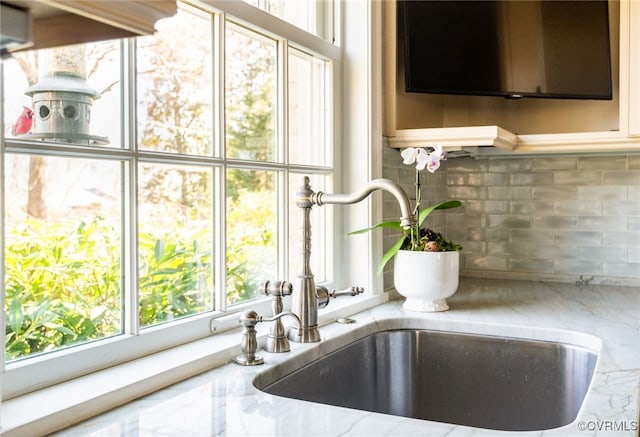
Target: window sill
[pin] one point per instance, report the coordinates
(62, 405)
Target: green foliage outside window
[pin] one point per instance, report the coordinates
(62, 285)
(175, 276)
(63, 282)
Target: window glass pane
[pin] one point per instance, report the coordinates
(318, 232)
(300, 13)
(175, 239)
(174, 83)
(251, 232)
(74, 228)
(66, 94)
(62, 252)
(307, 109)
(250, 95)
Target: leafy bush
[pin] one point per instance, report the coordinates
(250, 245)
(62, 285)
(63, 281)
(175, 277)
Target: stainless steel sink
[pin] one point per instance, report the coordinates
(466, 379)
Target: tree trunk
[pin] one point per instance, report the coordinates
(70, 60)
(36, 206)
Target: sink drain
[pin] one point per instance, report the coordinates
(346, 320)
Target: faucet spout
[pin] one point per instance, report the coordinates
(304, 302)
(406, 219)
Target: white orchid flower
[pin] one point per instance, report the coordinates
(435, 157)
(438, 153)
(433, 164)
(415, 154)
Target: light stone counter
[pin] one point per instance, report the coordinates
(223, 401)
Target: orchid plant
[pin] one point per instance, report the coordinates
(416, 238)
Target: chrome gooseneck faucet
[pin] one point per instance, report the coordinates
(304, 301)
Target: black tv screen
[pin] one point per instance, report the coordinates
(510, 48)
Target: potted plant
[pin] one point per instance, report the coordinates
(426, 264)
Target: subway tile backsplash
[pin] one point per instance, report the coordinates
(541, 218)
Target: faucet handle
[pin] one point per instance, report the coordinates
(277, 341)
(249, 343)
(277, 288)
(324, 295)
(351, 291)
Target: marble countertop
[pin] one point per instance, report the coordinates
(223, 401)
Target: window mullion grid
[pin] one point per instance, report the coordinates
(218, 48)
(130, 249)
(282, 112)
(128, 161)
(282, 215)
(219, 148)
(129, 158)
(332, 129)
(253, 18)
(131, 270)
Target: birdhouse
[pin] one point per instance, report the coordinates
(62, 110)
(62, 100)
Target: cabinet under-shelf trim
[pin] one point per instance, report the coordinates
(455, 138)
(472, 139)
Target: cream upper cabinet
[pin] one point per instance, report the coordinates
(522, 125)
(632, 24)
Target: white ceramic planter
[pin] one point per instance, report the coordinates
(426, 279)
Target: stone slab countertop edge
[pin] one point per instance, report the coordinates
(223, 401)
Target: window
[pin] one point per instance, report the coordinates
(313, 16)
(148, 184)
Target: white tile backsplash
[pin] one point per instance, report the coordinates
(548, 218)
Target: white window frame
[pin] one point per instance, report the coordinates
(357, 134)
(40, 371)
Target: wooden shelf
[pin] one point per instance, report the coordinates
(455, 138)
(473, 139)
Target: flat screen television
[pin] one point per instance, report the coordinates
(511, 48)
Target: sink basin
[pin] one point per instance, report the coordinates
(482, 381)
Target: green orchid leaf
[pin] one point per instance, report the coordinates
(392, 224)
(442, 205)
(390, 254)
(395, 224)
